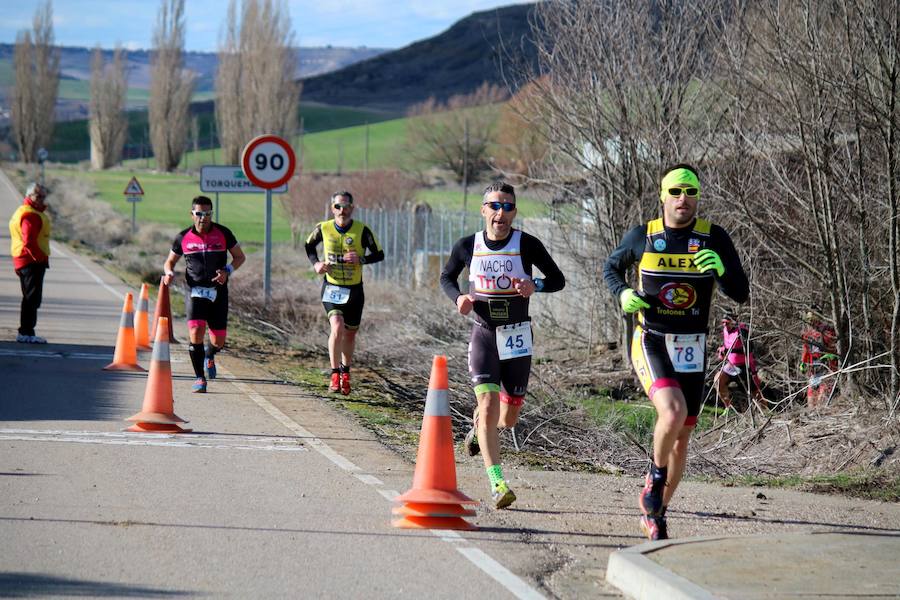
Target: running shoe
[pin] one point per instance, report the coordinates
(650, 500)
(502, 495)
(470, 442)
(211, 368)
(345, 383)
(654, 528)
(335, 382)
(199, 386)
(30, 339)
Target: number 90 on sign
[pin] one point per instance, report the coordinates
(268, 161)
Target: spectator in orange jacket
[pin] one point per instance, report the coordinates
(819, 359)
(29, 231)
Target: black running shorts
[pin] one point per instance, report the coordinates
(351, 310)
(214, 312)
(489, 373)
(654, 370)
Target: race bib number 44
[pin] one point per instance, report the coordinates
(335, 294)
(207, 293)
(514, 340)
(686, 352)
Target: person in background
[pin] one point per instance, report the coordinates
(347, 246)
(29, 232)
(738, 362)
(819, 359)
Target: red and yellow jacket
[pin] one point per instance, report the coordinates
(29, 232)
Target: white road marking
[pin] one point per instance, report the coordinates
(500, 574)
(181, 440)
(390, 495)
(57, 249)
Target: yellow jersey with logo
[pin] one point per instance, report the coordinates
(335, 245)
(678, 293)
(17, 243)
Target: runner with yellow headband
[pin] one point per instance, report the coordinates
(680, 259)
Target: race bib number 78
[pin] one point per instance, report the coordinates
(686, 352)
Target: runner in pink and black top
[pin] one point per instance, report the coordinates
(738, 361)
(205, 247)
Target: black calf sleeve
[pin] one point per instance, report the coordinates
(197, 356)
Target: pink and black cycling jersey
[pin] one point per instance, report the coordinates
(204, 254)
(733, 343)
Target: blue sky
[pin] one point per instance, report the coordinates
(373, 23)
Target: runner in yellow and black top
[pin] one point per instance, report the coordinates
(500, 261)
(345, 243)
(680, 259)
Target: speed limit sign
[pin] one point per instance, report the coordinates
(268, 161)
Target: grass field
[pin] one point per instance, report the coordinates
(333, 147)
(167, 200)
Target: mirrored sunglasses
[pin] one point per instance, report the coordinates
(202, 213)
(507, 206)
(690, 192)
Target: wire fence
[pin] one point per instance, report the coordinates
(417, 243)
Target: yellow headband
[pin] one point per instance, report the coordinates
(675, 178)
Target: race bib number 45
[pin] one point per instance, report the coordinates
(686, 352)
(514, 340)
(336, 294)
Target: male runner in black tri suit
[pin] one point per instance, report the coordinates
(680, 259)
(205, 246)
(500, 261)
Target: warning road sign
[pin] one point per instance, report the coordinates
(134, 188)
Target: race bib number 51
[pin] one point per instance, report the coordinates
(686, 352)
(335, 294)
(207, 293)
(514, 340)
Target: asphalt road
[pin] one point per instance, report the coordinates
(251, 504)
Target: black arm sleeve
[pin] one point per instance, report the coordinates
(459, 259)
(375, 253)
(626, 254)
(537, 254)
(734, 282)
(314, 239)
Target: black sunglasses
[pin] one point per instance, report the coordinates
(690, 192)
(507, 206)
(202, 213)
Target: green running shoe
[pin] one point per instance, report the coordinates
(502, 495)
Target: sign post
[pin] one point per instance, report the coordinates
(134, 193)
(42, 155)
(269, 162)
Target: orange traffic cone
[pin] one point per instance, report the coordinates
(163, 309)
(157, 414)
(125, 357)
(142, 319)
(434, 502)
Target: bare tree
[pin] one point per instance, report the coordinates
(456, 135)
(171, 87)
(36, 85)
(256, 92)
(108, 123)
(618, 97)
